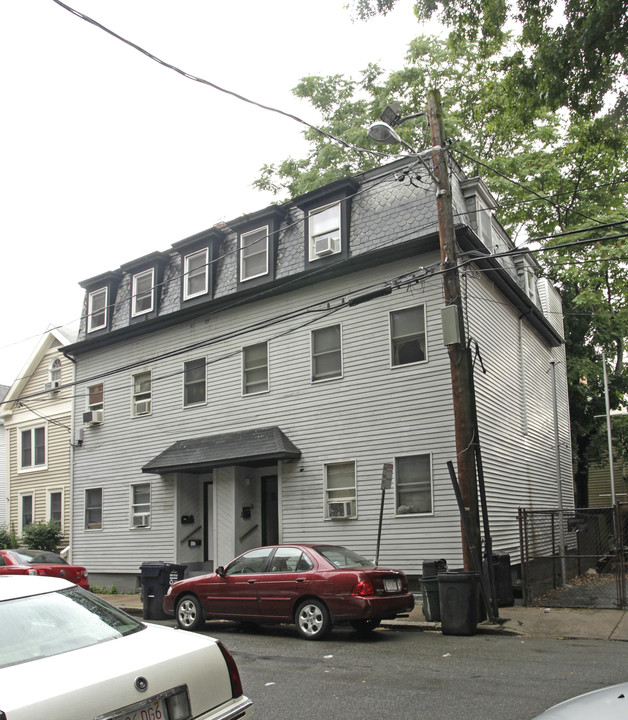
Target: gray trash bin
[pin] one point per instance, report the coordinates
(459, 602)
(156, 578)
(503, 581)
(429, 588)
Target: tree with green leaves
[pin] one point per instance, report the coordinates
(552, 172)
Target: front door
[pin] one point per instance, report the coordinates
(270, 510)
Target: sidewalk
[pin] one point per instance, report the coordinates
(569, 623)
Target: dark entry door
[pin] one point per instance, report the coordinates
(270, 510)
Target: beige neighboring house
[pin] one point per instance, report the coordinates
(37, 424)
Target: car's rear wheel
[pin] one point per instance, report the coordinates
(312, 620)
(189, 613)
(366, 625)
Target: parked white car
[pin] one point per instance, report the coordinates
(66, 654)
(609, 703)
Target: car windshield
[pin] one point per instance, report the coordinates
(340, 557)
(36, 557)
(39, 626)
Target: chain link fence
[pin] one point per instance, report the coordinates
(574, 558)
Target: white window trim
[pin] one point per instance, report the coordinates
(54, 370)
(185, 406)
(50, 491)
(102, 509)
(90, 309)
(312, 238)
(134, 311)
(354, 499)
(134, 414)
(21, 496)
(32, 428)
(417, 514)
(93, 406)
(266, 251)
(186, 261)
(390, 337)
(133, 514)
(242, 371)
(316, 381)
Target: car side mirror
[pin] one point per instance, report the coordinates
(220, 571)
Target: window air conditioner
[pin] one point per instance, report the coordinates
(50, 386)
(326, 245)
(340, 508)
(142, 407)
(141, 520)
(93, 417)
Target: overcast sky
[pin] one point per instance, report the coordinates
(107, 155)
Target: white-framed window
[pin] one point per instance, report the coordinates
(194, 382)
(484, 222)
(196, 274)
(96, 397)
(27, 509)
(254, 253)
(54, 505)
(340, 490)
(324, 231)
(33, 448)
(54, 372)
(97, 309)
(408, 342)
(93, 509)
(255, 369)
(143, 296)
(326, 344)
(413, 484)
(142, 393)
(140, 505)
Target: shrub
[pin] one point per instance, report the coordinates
(8, 538)
(42, 536)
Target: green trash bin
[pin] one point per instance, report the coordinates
(459, 602)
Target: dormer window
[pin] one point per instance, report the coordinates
(97, 310)
(54, 372)
(196, 274)
(254, 252)
(143, 300)
(324, 231)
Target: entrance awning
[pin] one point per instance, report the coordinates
(245, 447)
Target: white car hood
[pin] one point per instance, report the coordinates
(610, 703)
(91, 681)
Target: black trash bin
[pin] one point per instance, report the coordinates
(503, 581)
(459, 602)
(156, 579)
(429, 588)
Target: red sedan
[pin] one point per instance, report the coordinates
(41, 562)
(312, 585)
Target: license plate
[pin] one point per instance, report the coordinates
(391, 585)
(154, 710)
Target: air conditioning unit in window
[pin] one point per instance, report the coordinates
(341, 508)
(142, 407)
(51, 386)
(93, 417)
(326, 245)
(141, 520)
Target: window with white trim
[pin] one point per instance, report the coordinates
(413, 484)
(254, 253)
(255, 369)
(142, 393)
(340, 490)
(142, 301)
(26, 510)
(95, 397)
(54, 505)
(54, 371)
(196, 274)
(484, 222)
(97, 309)
(407, 336)
(140, 505)
(194, 382)
(326, 353)
(324, 231)
(93, 509)
(33, 448)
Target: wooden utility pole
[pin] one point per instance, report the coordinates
(459, 357)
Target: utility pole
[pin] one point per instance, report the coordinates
(459, 357)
